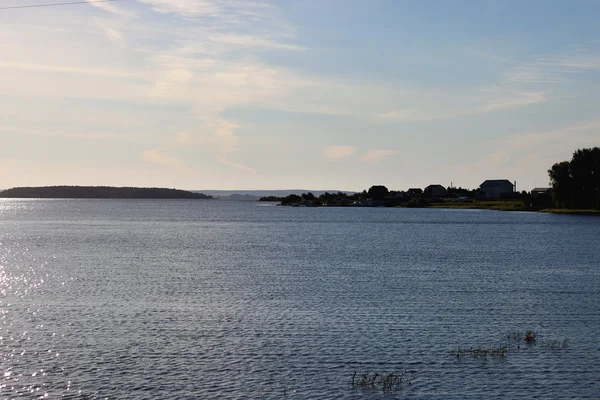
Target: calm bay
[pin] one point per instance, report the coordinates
(207, 299)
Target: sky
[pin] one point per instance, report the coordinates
(315, 94)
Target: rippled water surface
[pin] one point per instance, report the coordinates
(126, 299)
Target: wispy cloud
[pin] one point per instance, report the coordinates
(114, 9)
(336, 153)
(252, 41)
(111, 29)
(229, 12)
(556, 67)
(227, 145)
(68, 70)
(180, 75)
(102, 136)
(536, 151)
(156, 156)
(519, 86)
(434, 106)
(405, 114)
(375, 155)
(184, 7)
(510, 100)
(577, 134)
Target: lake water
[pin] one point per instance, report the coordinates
(127, 299)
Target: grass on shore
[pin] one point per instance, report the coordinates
(508, 205)
(571, 212)
(498, 205)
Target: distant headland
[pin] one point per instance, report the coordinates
(99, 192)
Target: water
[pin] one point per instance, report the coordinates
(126, 299)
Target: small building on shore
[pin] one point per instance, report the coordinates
(435, 191)
(496, 189)
(541, 191)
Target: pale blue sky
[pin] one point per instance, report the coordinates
(232, 94)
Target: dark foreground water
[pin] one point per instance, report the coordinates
(216, 300)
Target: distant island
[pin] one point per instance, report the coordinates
(254, 195)
(99, 192)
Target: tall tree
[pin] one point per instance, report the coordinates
(378, 192)
(576, 184)
(562, 184)
(585, 171)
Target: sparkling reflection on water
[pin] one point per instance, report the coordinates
(207, 299)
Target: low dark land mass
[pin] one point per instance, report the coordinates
(99, 192)
(226, 194)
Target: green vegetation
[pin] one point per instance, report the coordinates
(576, 183)
(378, 192)
(497, 352)
(498, 205)
(514, 335)
(530, 336)
(513, 338)
(571, 211)
(271, 198)
(325, 199)
(386, 381)
(99, 192)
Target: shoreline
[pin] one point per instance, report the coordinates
(493, 205)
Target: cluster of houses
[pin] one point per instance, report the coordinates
(494, 189)
(488, 190)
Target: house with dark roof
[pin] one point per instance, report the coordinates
(435, 191)
(496, 189)
(541, 197)
(541, 191)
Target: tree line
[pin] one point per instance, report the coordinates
(576, 183)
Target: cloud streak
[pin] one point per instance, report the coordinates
(33, 67)
(555, 68)
(156, 156)
(444, 105)
(376, 155)
(337, 153)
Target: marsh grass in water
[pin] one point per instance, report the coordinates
(514, 335)
(556, 344)
(386, 381)
(529, 336)
(501, 352)
(483, 353)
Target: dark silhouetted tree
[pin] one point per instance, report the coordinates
(378, 192)
(562, 184)
(291, 199)
(576, 184)
(308, 196)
